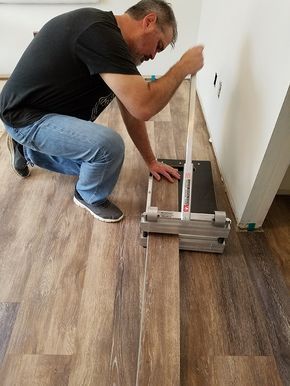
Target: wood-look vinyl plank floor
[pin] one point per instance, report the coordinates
(235, 370)
(109, 318)
(159, 351)
(277, 232)
(159, 345)
(73, 287)
(273, 295)
(36, 370)
(8, 313)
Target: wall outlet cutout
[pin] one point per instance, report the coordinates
(219, 89)
(215, 79)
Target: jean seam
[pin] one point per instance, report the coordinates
(104, 172)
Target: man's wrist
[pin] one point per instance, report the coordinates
(152, 161)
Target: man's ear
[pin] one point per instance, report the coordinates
(150, 20)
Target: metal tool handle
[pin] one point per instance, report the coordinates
(188, 166)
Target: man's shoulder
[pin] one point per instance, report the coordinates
(88, 13)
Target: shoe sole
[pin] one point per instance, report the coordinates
(10, 146)
(94, 214)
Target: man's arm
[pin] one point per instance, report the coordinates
(138, 133)
(144, 99)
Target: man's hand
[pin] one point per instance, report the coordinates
(159, 168)
(192, 60)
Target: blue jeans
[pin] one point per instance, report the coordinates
(73, 146)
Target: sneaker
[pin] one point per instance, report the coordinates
(18, 162)
(107, 211)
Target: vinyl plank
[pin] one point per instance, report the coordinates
(29, 207)
(8, 313)
(36, 370)
(127, 308)
(234, 370)
(274, 295)
(48, 313)
(164, 140)
(159, 350)
(246, 371)
(19, 235)
(220, 313)
(277, 231)
(109, 315)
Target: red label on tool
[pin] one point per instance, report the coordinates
(185, 208)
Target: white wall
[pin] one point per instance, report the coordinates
(247, 45)
(272, 170)
(17, 22)
(285, 185)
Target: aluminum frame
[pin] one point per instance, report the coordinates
(203, 232)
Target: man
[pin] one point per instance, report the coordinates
(69, 73)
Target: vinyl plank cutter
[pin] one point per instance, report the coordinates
(200, 226)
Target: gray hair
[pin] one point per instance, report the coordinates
(165, 15)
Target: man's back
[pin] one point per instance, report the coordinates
(58, 72)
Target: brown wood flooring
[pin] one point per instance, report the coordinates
(71, 288)
(159, 345)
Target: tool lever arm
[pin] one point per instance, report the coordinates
(188, 166)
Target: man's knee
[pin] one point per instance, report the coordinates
(117, 145)
(110, 146)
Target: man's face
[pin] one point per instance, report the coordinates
(152, 40)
